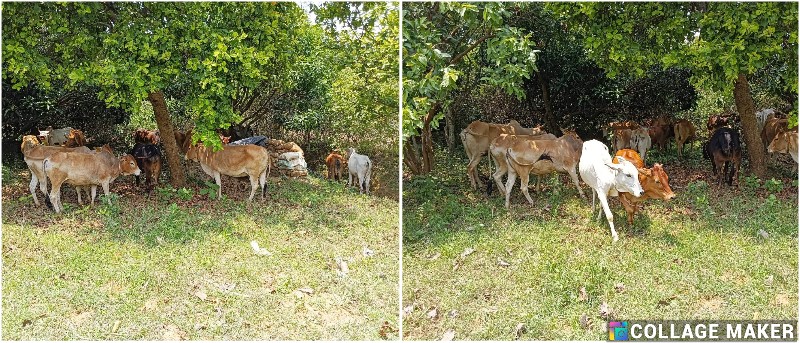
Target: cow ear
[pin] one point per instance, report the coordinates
(645, 171)
(614, 166)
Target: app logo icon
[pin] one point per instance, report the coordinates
(617, 331)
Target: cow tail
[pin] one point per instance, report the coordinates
(367, 175)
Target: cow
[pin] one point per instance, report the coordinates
(654, 181)
(684, 131)
(236, 132)
(476, 138)
(144, 136)
(359, 169)
(55, 137)
(607, 178)
(771, 128)
(148, 159)
(233, 160)
(34, 154)
(75, 138)
(785, 142)
(523, 155)
(621, 139)
(335, 164)
(86, 169)
(721, 120)
(725, 150)
(498, 149)
(640, 141)
(660, 130)
(616, 125)
(180, 137)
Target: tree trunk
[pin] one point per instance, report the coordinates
(550, 122)
(176, 176)
(450, 129)
(410, 157)
(427, 139)
(750, 133)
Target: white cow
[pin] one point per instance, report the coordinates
(640, 141)
(763, 115)
(607, 178)
(360, 168)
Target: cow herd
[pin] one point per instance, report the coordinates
(62, 157)
(518, 151)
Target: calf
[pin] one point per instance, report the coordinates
(144, 136)
(498, 149)
(55, 137)
(654, 181)
(541, 157)
(335, 163)
(34, 154)
(360, 169)
(660, 134)
(640, 141)
(684, 131)
(148, 159)
(607, 178)
(233, 160)
(477, 137)
(725, 150)
(86, 169)
(75, 138)
(621, 139)
(771, 128)
(785, 142)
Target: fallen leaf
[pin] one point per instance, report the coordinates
(115, 327)
(763, 234)
(665, 302)
(385, 330)
(782, 299)
(582, 295)
(306, 290)
(619, 287)
(408, 309)
(227, 287)
(433, 314)
(26, 322)
(435, 256)
(768, 281)
(519, 330)
(605, 311)
(366, 252)
(198, 327)
(452, 313)
(258, 250)
(449, 335)
(150, 304)
(200, 294)
(341, 266)
(467, 252)
(173, 333)
(502, 263)
(584, 321)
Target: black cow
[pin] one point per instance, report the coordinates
(725, 151)
(148, 158)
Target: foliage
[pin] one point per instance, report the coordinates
(751, 183)
(773, 186)
(441, 41)
(211, 189)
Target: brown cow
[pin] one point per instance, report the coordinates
(684, 131)
(498, 149)
(617, 125)
(34, 154)
(772, 127)
(785, 142)
(145, 136)
(476, 139)
(75, 138)
(522, 156)
(233, 160)
(180, 137)
(86, 169)
(621, 139)
(654, 181)
(335, 163)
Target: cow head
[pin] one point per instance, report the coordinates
(627, 177)
(29, 142)
(127, 165)
(655, 182)
(781, 142)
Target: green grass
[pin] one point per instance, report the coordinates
(147, 262)
(696, 257)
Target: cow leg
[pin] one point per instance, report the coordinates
(218, 179)
(78, 190)
(349, 178)
(512, 177)
(368, 177)
(523, 179)
(609, 216)
(253, 186)
(32, 186)
(502, 169)
(106, 191)
(472, 171)
(574, 176)
(94, 193)
(262, 179)
(55, 197)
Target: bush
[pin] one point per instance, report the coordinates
(773, 186)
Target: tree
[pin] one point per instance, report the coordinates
(135, 51)
(722, 43)
(439, 41)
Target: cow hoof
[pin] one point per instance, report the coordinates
(615, 239)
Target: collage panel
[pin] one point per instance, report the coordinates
(200, 171)
(694, 219)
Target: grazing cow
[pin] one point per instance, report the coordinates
(144, 136)
(640, 141)
(607, 178)
(233, 160)
(785, 142)
(360, 169)
(654, 181)
(725, 150)
(498, 149)
(148, 159)
(523, 154)
(684, 131)
(772, 127)
(86, 169)
(477, 137)
(621, 139)
(34, 154)
(75, 139)
(335, 163)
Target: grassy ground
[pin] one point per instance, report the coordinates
(170, 268)
(697, 257)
